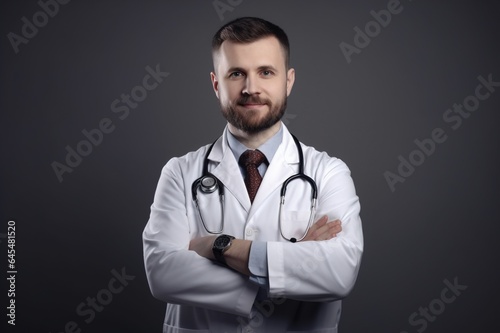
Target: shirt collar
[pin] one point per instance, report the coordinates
(268, 148)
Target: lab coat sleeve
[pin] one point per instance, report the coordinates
(176, 274)
(322, 270)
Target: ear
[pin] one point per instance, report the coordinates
(290, 79)
(215, 83)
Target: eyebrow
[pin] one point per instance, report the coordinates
(260, 68)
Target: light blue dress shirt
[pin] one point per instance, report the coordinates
(257, 262)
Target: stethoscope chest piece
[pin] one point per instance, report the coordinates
(208, 184)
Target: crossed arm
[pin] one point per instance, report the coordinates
(237, 255)
(322, 267)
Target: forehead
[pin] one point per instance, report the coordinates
(262, 52)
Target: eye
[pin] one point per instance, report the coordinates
(267, 73)
(235, 74)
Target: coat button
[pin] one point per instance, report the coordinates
(249, 232)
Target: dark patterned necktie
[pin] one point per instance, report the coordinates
(250, 161)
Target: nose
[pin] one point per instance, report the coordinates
(251, 85)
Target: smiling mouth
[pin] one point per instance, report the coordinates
(252, 105)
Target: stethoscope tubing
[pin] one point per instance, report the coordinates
(208, 183)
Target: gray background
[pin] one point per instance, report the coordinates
(441, 223)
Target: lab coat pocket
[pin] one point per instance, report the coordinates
(294, 223)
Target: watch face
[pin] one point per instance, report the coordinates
(222, 241)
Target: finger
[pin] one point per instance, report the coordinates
(322, 233)
(335, 222)
(313, 232)
(318, 224)
(330, 225)
(321, 222)
(336, 226)
(328, 231)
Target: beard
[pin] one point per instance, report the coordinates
(249, 120)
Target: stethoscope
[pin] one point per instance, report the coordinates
(208, 183)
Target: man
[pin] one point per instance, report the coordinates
(275, 275)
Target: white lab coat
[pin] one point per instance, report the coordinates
(306, 279)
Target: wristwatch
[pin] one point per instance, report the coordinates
(221, 244)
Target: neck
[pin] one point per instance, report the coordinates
(254, 140)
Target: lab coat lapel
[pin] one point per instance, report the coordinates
(283, 165)
(228, 171)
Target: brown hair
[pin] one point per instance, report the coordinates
(250, 29)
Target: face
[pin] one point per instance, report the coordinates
(252, 83)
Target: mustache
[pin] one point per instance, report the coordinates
(252, 99)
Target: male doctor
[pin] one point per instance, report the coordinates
(233, 262)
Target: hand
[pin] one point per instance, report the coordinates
(322, 229)
(203, 246)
